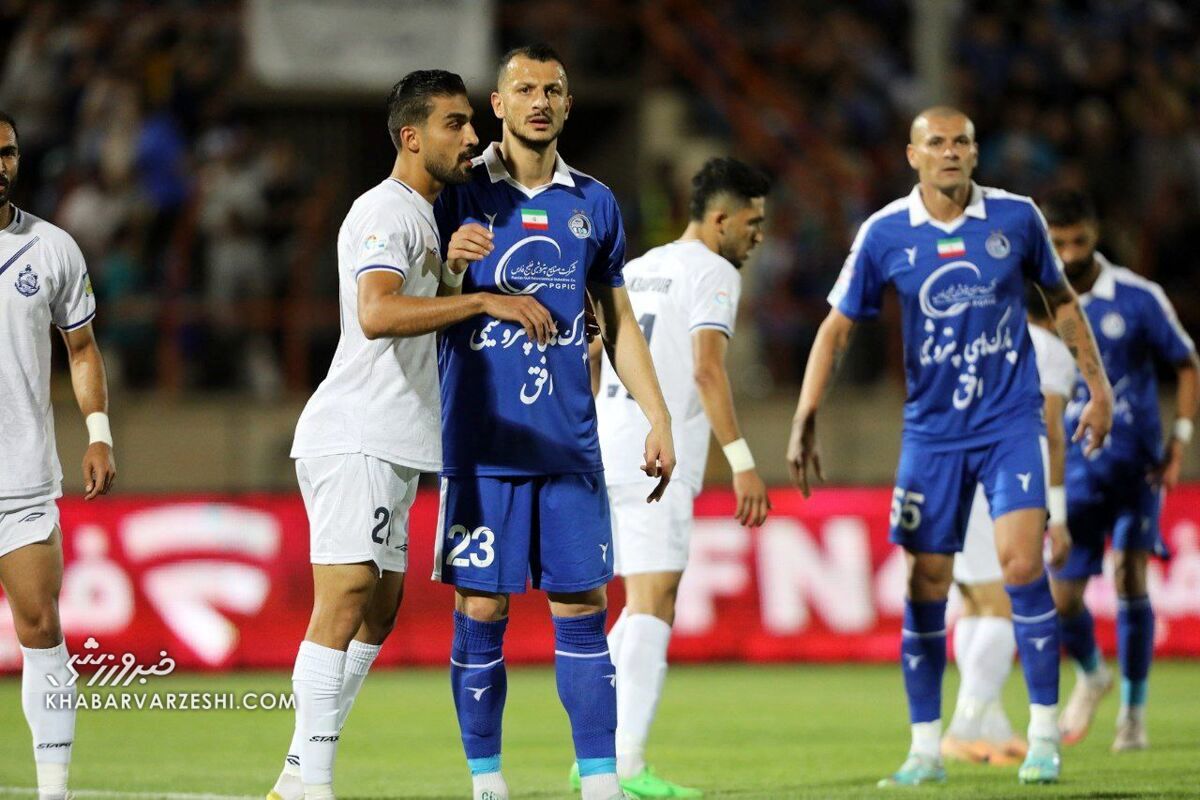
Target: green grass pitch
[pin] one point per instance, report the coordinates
(736, 731)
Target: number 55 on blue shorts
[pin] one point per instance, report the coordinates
(495, 534)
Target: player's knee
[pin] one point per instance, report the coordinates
(483, 608)
(1129, 573)
(38, 628)
(1022, 568)
(929, 580)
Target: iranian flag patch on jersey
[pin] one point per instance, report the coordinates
(535, 219)
(950, 248)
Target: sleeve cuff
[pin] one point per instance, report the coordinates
(720, 326)
(403, 273)
(78, 324)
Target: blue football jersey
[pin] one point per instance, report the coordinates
(1134, 325)
(511, 406)
(968, 360)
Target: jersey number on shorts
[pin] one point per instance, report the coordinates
(646, 323)
(906, 509)
(481, 536)
(377, 533)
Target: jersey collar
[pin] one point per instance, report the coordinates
(919, 215)
(498, 172)
(1105, 285)
(15, 222)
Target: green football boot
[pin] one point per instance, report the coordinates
(1042, 764)
(916, 771)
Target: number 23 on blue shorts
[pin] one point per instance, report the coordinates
(497, 533)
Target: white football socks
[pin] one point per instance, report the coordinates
(601, 787)
(1043, 722)
(317, 683)
(927, 739)
(50, 711)
(984, 648)
(641, 669)
(489, 786)
(616, 636)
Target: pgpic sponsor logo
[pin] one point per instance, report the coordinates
(170, 701)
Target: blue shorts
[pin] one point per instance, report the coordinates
(495, 534)
(934, 490)
(1126, 507)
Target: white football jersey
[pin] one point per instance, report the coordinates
(381, 397)
(676, 290)
(43, 282)
(1056, 367)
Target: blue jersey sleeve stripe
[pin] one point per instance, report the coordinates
(718, 325)
(381, 267)
(79, 324)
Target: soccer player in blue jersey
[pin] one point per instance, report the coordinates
(1117, 489)
(958, 256)
(523, 492)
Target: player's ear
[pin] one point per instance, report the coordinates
(567, 108)
(410, 139)
(911, 152)
(497, 105)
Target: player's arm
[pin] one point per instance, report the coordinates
(595, 354)
(630, 358)
(1056, 437)
(709, 347)
(91, 393)
(1187, 398)
(831, 343)
(1075, 332)
(384, 310)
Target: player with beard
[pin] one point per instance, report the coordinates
(523, 491)
(372, 426)
(1118, 490)
(43, 282)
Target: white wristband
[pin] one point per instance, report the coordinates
(98, 429)
(1183, 430)
(1056, 501)
(451, 278)
(738, 455)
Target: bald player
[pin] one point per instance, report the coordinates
(958, 256)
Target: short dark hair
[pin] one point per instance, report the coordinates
(6, 119)
(410, 100)
(725, 176)
(534, 52)
(1067, 207)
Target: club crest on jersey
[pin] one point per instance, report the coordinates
(532, 264)
(997, 245)
(952, 289)
(1112, 325)
(27, 282)
(579, 225)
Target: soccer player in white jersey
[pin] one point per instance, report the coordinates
(43, 282)
(958, 256)
(685, 295)
(984, 644)
(373, 425)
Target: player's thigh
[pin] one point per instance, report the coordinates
(931, 500)
(1013, 474)
(484, 533)
(357, 509)
(978, 563)
(572, 547)
(31, 569)
(651, 537)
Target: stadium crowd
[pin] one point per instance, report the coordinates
(134, 140)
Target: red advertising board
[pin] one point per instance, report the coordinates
(224, 582)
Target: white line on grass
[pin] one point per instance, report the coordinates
(81, 793)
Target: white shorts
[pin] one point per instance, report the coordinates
(978, 562)
(357, 509)
(650, 537)
(28, 525)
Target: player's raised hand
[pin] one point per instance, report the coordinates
(99, 470)
(1095, 422)
(659, 459)
(471, 242)
(1060, 544)
(753, 504)
(525, 311)
(802, 450)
